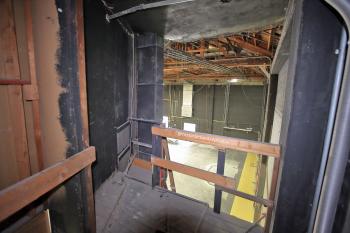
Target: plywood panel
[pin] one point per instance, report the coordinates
(9, 68)
(8, 167)
(17, 123)
(13, 147)
(39, 224)
(14, 158)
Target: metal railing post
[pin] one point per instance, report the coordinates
(220, 170)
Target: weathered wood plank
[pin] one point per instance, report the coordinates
(10, 74)
(34, 86)
(14, 82)
(220, 142)
(274, 181)
(82, 71)
(223, 183)
(17, 124)
(28, 190)
(220, 180)
(87, 188)
(141, 163)
(39, 224)
(166, 155)
(9, 68)
(90, 219)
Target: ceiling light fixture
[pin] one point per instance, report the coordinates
(234, 80)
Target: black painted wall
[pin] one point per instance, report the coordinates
(107, 82)
(342, 218)
(149, 53)
(68, 213)
(245, 110)
(315, 37)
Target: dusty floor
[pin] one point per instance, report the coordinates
(124, 204)
(204, 157)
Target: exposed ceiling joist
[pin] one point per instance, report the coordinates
(184, 56)
(247, 55)
(250, 47)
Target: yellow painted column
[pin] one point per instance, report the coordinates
(243, 208)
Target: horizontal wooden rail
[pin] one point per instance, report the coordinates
(247, 196)
(14, 82)
(223, 183)
(220, 142)
(219, 180)
(141, 163)
(24, 192)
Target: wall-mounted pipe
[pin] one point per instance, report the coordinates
(145, 7)
(340, 146)
(330, 125)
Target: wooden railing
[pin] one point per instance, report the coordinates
(221, 182)
(26, 191)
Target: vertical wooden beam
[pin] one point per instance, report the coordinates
(269, 39)
(165, 150)
(82, 72)
(275, 173)
(202, 50)
(33, 80)
(156, 151)
(86, 175)
(220, 170)
(88, 200)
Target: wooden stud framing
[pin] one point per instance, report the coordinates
(31, 92)
(220, 142)
(31, 188)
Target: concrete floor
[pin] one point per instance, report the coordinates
(204, 157)
(126, 205)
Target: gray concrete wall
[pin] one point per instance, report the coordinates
(281, 90)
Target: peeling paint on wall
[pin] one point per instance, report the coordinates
(45, 31)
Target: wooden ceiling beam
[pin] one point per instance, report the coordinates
(241, 62)
(213, 77)
(250, 47)
(215, 80)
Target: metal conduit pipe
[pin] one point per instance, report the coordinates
(340, 146)
(145, 7)
(183, 56)
(330, 125)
